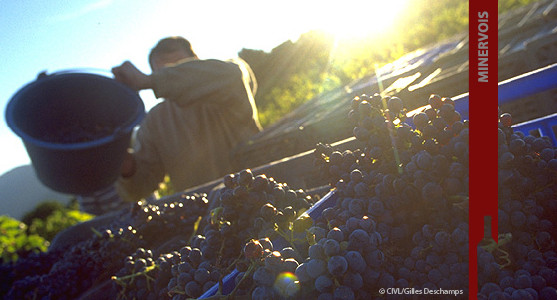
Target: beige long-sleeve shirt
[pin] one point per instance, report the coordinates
(208, 109)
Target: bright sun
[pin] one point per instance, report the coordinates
(351, 19)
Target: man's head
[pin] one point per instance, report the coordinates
(170, 50)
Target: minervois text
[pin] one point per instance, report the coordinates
(483, 62)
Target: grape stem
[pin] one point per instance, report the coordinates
(289, 238)
(121, 280)
(246, 274)
(194, 231)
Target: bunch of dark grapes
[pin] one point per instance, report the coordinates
(404, 185)
(368, 115)
(143, 276)
(248, 206)
(184, 273)
(345, 262)
(401, 208)
(92, 262)
(523, 264)
(79, 268)
(34, 264)
(6, 272)
(370, 250)
(157, 222)
(438, 125)
(390, 144)
(414, 177)
(193, 275)
(251, 207)
(268, 273)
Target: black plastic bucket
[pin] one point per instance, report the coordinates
(44, 112)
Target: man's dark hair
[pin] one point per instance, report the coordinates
(171, 44)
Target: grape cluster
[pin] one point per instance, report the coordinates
(404, 185)
(143, 277)
(34, 264)
(157, 222)
(86, 264)
(193, 275)
(391, 146)
(400, 219)
(262, 202)
(266, 273)
(523, 264)
(79, 268)
(248, 206)
(268, 209)
(252, 207)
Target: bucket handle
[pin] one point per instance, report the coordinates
(98, 71)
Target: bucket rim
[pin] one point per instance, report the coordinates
(118, 132)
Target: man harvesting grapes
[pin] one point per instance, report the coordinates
(208, 109)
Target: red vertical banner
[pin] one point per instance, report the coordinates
(483, 53)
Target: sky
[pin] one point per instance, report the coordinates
(96, 35)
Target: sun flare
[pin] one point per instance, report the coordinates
(355, 19)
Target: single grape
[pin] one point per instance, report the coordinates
(337, 265)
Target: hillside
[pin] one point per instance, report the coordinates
(21, 191)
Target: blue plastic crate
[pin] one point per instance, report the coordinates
(545, 126)
(525, 85)
(529, 84)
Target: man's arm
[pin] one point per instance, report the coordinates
(192, 80)
(200, 80)
(131, 76)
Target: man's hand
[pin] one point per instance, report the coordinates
(128, 165)
(131, 76)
